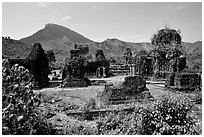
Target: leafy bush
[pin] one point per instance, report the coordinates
(89, 104)
(78, 129)
(120, 123)
(56, 65)
(170, 115)
(19, 105)
(68, 105)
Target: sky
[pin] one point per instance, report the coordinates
(131, 21)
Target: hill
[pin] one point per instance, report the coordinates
(58, 38)
(54, 31)
(194, 54)
(14, 48)
(61, 39)
(115, 47)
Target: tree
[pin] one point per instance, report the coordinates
(166, 36)
(51, 56)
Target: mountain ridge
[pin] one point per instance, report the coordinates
(54, 31)
(61, 40)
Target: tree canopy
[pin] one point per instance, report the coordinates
(166, 36)
(51, 56)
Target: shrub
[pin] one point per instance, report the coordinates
(56, 65)
(19, 106)
(78, 129)
(119, 123)
(89, 104)
(68, 105)
(170, 115)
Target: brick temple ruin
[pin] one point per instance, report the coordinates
(141, 65)
(79, 68)
(171, 66)
(99, 67)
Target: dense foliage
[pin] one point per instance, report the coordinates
(166, 36)
(51, 57)
(168, 116)
(19, 104)
(77, 129)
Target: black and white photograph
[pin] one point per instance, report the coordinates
(101, 68)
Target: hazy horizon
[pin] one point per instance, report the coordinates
(131, 21)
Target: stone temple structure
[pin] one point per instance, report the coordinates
(142, 65)
(79, 68)
(130, 87)
(102, 64)
(178, 75)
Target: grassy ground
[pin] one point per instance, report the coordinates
(59, 100)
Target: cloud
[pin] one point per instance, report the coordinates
(43, 4)
(55, 11)
(79, 25)
(66, 18)
(64, 8)
(176, 7)
(59, 10)
(97, 7)
(60, 20)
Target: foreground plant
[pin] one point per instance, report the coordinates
(19, 106)
(171, 115)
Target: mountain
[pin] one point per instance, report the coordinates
(14, 48)
(115, 47)
(194, 54)
(54, 31)
(58, 38)
(61, 39)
